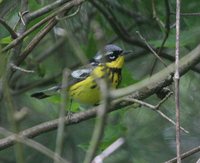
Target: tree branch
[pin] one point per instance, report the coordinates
(185, 155)
(43, 21)
(139, 90)
(160, 79)
(45, 9)
(177, 82)
(9, 29)
(118, 28)
(35, 41)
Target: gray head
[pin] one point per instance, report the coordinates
(109, 53)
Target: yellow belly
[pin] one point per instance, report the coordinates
(88, 91)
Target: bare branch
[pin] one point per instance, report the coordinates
(9, 29)
(33, 144)
(21, 69)
(185, 155)
(100, 121)
(108, 151)
(61, 122)
(155, 16)
(155, 108)
(151, 49)
(166, 35)
(69, 16)
(139, 91)
(162, 78)
(117, 27)
(43, 21)
(35, 41)
(188, 14)
(177, 80)
(45, 9)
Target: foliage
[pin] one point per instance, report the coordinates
(147, 135)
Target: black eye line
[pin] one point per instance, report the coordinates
(114, 55)
(118, 52)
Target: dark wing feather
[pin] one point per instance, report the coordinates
(75, 77)
(45, 93)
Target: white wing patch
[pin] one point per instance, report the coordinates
(81, 73)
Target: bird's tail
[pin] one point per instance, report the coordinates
(46, 93)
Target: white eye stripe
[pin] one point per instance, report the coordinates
(109, 53)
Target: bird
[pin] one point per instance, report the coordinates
(82, 84)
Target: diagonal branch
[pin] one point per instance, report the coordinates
(43, 21)
(117, 27)
(185, 154)
(35, 14)
(139, 90)
(9, 29)
(35, 41)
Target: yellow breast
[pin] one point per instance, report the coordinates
(88, 91)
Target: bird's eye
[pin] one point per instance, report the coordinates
(112, 56)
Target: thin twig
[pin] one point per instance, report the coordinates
(35, 41)
(185, 154)
(21, 69)
(11, 110)
(151, 49)
(165, 76)
(45, 9)
(140, 19)
(61, 122)
(38, 59)
(167, 25)
(156, 108)
(100, 122)
(22, 17)
(188, 14)
(43, 21)
(69, 16)
(21, 29)
(117, 27)
(177, 80)
(155, 16)
(166, 35)
(108, 151)
(33, 144)
(9, 29)
(75, 46)
(139, 90)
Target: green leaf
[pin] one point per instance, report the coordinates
(6, 40)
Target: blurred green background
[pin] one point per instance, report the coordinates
(148, 137)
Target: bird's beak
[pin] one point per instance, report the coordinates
(127, 52)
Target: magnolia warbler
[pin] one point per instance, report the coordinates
(82, 86)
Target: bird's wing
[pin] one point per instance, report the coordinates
(75, 77)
